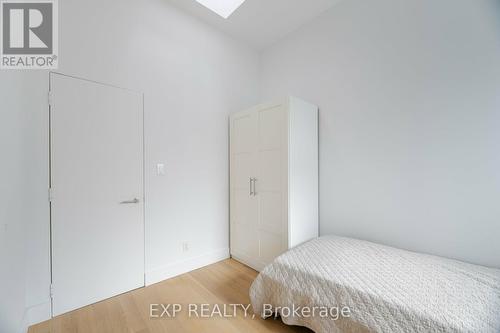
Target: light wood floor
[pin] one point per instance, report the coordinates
(226, 282)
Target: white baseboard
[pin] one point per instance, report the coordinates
(184, 266)
(36, 314)
(41, 312)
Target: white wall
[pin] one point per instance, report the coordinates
(15, 194)
(192, 77)
(409, 96)
(23, 198)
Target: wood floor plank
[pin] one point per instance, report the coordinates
(226, 282)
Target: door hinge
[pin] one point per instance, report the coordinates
(50, 98)
(51, 195)
(51, 290)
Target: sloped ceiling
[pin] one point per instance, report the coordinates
(260, 23)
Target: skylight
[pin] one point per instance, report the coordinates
(222, 7)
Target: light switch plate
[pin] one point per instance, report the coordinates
(160, 169)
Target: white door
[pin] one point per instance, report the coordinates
(97, 192)
(272, 180)
(244, 209)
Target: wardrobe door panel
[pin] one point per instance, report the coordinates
(243, 204)
(271, 216)
(271, 171)
(243, 169)
(244, 209)
(271, 128)
(271, 184)
(244, 232)
(271, 246)
(244, 134)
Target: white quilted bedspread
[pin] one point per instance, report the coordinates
(386, 289)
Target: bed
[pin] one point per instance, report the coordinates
(385, 289)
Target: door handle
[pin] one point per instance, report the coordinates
(130, 202)
(253, 192)
(254, 186)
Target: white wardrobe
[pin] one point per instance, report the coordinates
(273, 180)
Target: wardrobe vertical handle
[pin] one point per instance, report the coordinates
(251, 188)
(254, 186)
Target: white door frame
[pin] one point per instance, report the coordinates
(50, 75)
